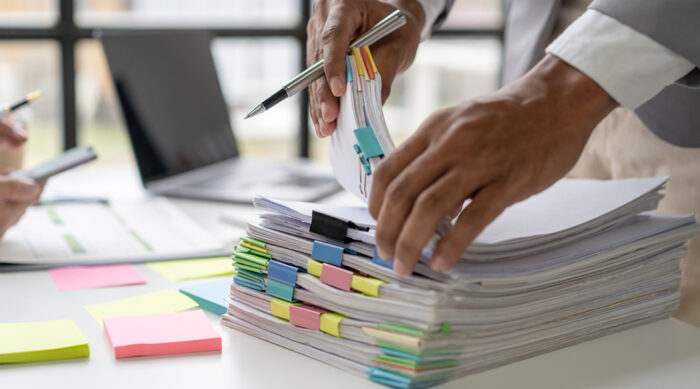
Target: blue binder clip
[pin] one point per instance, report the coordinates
(367, 147)
(279, 289)
(328, 253)
(282, 272)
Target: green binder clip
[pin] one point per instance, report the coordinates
(367, 147)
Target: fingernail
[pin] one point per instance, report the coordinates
(336, 86)
(439, 263)
(401, 268)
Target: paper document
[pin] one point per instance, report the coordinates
(96, 233)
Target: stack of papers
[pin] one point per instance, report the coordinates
(578, 261)
(588, 260)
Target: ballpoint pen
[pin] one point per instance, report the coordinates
(9, 108)
(385, 27)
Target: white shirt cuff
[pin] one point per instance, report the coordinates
(432, 9)
(628, 65)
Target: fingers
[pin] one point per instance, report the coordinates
(14, 189)
(486, 205)
(324, 108)
(12, 133)
(391, 166)
(429, 210)
(341, 25)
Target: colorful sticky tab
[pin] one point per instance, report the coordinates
(282, 272)
(193, 268)
(211, 296)
(164, 301)
(279, 289)
(330, 323)
(368, 67)
(358, 62)
(367, 140)
(88, 277)
(367, 285)
(328, 253)
(306, 316)
(260, 250)
(314, 267)
(41, 341)
(280, 308)
(336, 277)
(348, 70)
(160, 334)
(259, 286)
(253, 241)
(387, 263)
(371, 59)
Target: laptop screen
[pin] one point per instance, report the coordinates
(171, 100)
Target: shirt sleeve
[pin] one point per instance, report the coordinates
(628, 65)
(432, 9)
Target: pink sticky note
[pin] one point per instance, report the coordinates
(306, 316)
(87, 277)
(336, 277)
(163, 333)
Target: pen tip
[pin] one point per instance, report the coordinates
(256, 111)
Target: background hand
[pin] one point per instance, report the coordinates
(496, 150)
(11, 133)
(336, 23)
(16, 194)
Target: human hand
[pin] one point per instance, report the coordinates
(496, 150)
(331, 29)
(11, 132)
(16, 194)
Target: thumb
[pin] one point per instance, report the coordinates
(12, 133)
(16, 189)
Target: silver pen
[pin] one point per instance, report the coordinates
(385, 27)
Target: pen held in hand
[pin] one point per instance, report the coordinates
(385, 27)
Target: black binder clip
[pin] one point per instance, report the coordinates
(332, 227)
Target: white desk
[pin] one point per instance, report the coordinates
(661, 354)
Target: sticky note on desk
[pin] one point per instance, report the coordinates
(164, 301)
(193, 268)
(41, 341)
(165, 333)
(211, 296)
(87, 277)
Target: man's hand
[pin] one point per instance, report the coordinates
(16, 194)
(496, 150)
(334, 25)
(11, 133)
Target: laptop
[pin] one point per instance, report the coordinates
(179, 127)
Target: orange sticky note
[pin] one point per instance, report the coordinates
(160, 334)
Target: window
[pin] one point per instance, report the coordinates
(49, 45)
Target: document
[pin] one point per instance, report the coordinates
(144, 230)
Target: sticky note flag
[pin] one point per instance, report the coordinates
(41, 341)
(87, 277)
(159, 334)
(164, 301)
(210, 296)
(193, 268)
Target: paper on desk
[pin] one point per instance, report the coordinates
(186, 269)
(41, 341)
(87, 277)
(160, 334)
(164, 301)
(211, 296)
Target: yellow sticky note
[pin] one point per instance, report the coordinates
(367, 285)
(330, 323)
(280, 308)
(186, 269)
(314, 267)
(41, 341)
(164, 301)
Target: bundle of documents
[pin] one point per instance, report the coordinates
(581, 260)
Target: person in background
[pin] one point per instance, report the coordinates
(592, 89)
(16, 194)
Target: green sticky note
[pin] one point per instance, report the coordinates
(41, 341)
(164, 301)
(193, 268)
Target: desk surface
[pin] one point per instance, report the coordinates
(661, 354)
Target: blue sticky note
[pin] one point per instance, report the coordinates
(211, 296)
(328, 253)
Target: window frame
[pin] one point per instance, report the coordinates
(67, 33)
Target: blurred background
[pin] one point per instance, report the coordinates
(259, 45)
